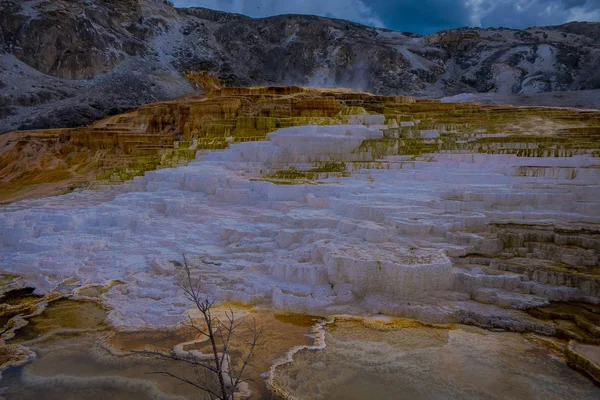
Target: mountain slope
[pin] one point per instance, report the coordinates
(66, 63)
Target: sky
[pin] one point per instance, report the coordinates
(420, 16)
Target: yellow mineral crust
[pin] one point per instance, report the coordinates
(118, 148)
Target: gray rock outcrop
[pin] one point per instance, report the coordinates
(66, 63)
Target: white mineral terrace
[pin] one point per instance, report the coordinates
(395, 235)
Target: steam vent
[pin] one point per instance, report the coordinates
(441, 250)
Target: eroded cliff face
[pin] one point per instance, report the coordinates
(67, 63)
(80, 39)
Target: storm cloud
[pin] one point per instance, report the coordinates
(421, 16)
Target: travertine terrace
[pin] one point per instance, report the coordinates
(43, 162)
(321, 202)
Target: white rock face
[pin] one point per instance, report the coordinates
(395, 234)
(394, 270)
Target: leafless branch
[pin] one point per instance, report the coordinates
(202, 387)
(218, 365)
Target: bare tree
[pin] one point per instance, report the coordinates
(220, 365)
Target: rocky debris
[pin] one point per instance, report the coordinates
(69, 63)
(32, 100)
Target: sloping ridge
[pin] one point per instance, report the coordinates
(111, 56)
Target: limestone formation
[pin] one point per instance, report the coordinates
(137, 137)
(314, 201)
(115, 149)
(158, 135)
(465, 214)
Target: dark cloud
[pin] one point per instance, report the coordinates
(575, 3)
(525, 13)
(422, 16)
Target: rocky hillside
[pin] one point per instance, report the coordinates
(66, 63)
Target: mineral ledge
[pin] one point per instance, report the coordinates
(329, 220)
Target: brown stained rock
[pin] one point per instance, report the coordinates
(50, 162)
(54, 161)
(63, 315)
(13, 355)
(573, 321)
(585, 358)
